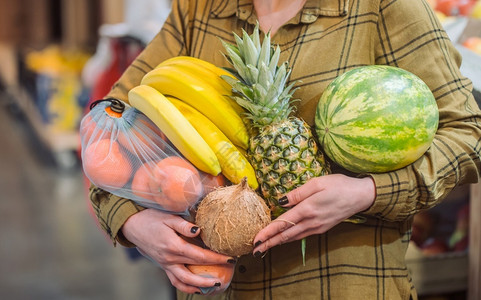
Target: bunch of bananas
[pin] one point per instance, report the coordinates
(189, 101)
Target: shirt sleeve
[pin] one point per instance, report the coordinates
(112, 211)
(411, 37)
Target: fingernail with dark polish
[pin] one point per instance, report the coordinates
(197, 293)
(257, 243)
(258, 254)
(194, 229)
(231, 261)
(283, 200)
(217, 284)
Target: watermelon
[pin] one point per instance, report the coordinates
(376, 119)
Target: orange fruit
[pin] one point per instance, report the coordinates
(106, 165)
(178, 162)
(133, 130)
(143, 122)
(211, 182)
(223, 272)
(141, 183)
(88, 128)
(172, 183)
(180, 184)
(140, 133)
(147, 189)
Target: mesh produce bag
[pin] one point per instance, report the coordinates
(126, 154)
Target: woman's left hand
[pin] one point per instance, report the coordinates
(315, 207)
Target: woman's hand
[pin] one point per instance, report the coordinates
(315, 207)
(158, 236)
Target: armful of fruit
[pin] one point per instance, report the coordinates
(315, 207)
(162, 237)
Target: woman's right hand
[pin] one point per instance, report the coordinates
(157, 235)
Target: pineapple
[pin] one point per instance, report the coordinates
(282, 149)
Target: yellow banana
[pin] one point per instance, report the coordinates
(207, 72)
(243, 151)
(172, 81)
(204, 70)
(176, 127)
(207, 65)
(233, 163)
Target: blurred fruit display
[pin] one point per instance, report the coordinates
(58, 89)
(473, 43)
(476, 12)
(443, 229)
(454, 7)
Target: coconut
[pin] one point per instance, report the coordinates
(230, 217)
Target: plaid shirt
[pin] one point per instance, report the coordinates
(324, 40)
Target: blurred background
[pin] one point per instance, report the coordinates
(59, 55)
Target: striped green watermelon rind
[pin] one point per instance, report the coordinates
(376, 119)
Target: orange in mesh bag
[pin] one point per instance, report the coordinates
(171, 182)
(123, 152)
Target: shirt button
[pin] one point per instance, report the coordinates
(242, 269)
(308, 18)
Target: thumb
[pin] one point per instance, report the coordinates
(300, 193)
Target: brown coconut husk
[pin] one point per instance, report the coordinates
(230, 217)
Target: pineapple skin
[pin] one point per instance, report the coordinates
(285, 155)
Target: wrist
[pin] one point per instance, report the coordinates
(128, 229)
(369, 192)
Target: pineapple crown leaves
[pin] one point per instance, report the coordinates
(260, 84)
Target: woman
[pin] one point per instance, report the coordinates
(321, 39)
